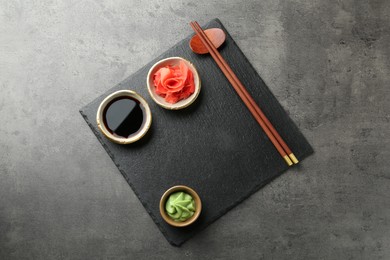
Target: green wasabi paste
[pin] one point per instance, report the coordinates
(180, 206)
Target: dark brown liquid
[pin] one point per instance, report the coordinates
(124, 117)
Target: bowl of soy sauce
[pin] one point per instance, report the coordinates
(124, 117)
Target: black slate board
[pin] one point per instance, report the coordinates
(214, 146)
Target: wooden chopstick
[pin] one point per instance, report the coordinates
(250, 99)
(271, 132)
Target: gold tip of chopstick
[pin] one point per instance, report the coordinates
(293, 158)
(287, 159)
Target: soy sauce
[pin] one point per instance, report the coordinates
(124, 117)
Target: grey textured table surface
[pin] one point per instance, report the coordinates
(327, 62)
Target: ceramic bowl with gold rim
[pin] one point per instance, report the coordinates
(124, 117)
(171, 86)
(177, 208)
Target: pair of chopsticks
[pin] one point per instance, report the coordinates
(265, 124)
